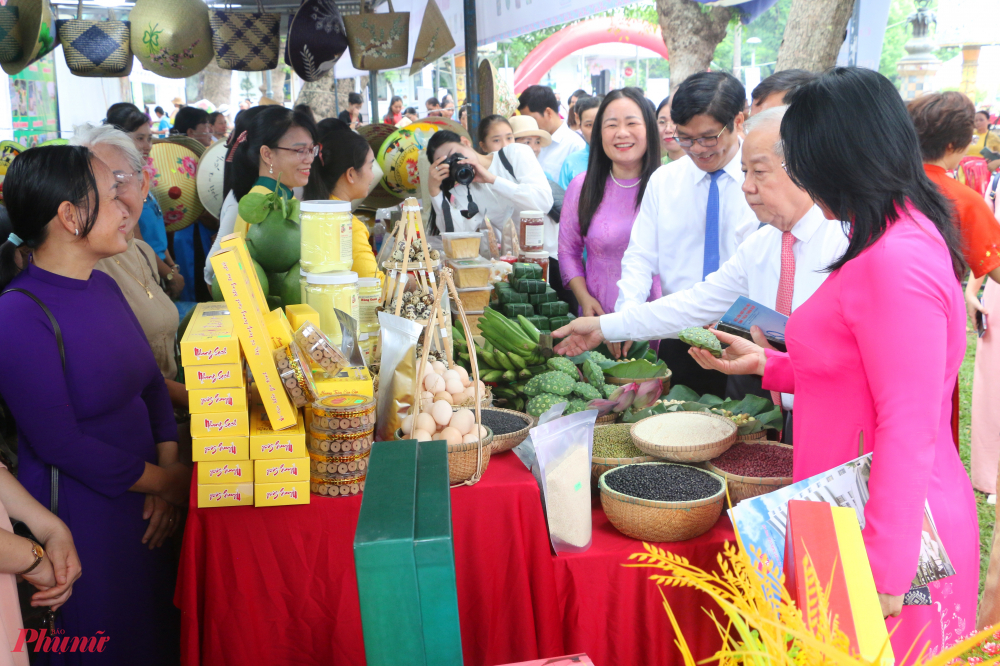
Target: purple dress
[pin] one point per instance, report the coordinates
(99, 424)
(605, 243)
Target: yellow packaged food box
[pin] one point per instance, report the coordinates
(209, 338)
(266, 443)
(213, 449)
(279, 328)
(281, 494)
(349, 380)
(220, 424)
(300, 314)
(228, 375)
(237, 243)
(248, 319)
(225, 471)
(205, 401)
(281, 470)
(226, 494)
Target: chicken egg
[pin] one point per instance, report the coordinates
(441, 411)
(451, 435)
(463, 421)
(421, 435)
(439, 367)
(408, 424)
(444, 395)
(454, 386)
(463, 374)
(425, 422)
(434, 383)
(450, 375)
(470, 439)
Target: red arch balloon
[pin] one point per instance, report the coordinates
(581, 35)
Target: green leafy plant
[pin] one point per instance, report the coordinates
(257, 207)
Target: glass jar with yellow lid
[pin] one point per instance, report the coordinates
(327, 236)
(326, 292)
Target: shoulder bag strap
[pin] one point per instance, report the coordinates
(54, 497)
(505, 161)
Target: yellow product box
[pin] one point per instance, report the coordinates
(225, 471)
(300, 314)
(228, 375)
(350, 380)
(209, 338)
(283, 469)
(214, 449)
(281, 494)
(269, 444)
(248, 319)
(226, 494)
(237, 243)
(279, 328)
(205, 401)
(220, 424)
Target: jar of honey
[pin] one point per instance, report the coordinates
(326, 292)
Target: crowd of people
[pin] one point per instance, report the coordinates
(656, 219)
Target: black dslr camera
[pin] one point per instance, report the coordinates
(462, 174)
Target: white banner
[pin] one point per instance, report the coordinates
(503, 19)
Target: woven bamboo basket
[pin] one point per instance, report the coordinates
(744, 487)
(486, 401)
(678, 452)
(752, 437)
(506, 442)
(601, 465)
(650, 520)
(606, 419)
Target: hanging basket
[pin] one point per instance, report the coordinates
(378, 41)
(95, 48)
(245, 42)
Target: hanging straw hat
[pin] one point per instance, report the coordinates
(316, 39)
(37, 33)
(174, 183)
(526, 126)
(172, 38)
(209, 178)
(495, 96)
(434, 40)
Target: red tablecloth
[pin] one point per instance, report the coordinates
(277, 585)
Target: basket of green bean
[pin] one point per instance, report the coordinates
(613, 447)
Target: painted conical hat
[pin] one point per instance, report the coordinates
(209, 179)
(172, 38)
(495, 96)
(175, 185)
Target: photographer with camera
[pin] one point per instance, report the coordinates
(466, 187)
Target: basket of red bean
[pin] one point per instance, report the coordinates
(753, 468)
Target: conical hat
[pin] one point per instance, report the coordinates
(209, 179)
(495, 96)
(376, 134)
(194, 145)
(316, 39)
(172, 38)
(447, 124)
(37, 31)
(434, 40)
(175, 185)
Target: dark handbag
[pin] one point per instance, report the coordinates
(34, 617)
(95, 48)
(245, 42)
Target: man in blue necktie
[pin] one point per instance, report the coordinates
(693, 215)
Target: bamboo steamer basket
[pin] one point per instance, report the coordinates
(677, 451)
(656, 521)
(745, 487)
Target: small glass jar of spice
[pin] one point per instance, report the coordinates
(531, 231)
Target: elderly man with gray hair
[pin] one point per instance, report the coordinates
(779, 266)
(135, 269)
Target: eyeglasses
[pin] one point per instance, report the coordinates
(705, 142)
(303, 153)
(124, 180)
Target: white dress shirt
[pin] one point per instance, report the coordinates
(565, 142)
(505, 198)
(754, 272)
(668, 237)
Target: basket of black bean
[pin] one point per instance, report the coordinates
(662, 502)
(753, 469)
(613, 447)
(509, 427)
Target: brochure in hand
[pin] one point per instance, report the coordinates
(762, 520)
(745, 313)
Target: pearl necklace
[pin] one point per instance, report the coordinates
(625, 186)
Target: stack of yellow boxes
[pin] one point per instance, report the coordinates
(280, 461)
(217, 399)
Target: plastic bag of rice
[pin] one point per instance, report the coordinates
(564, 448)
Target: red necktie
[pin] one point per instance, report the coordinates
(786, 286)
